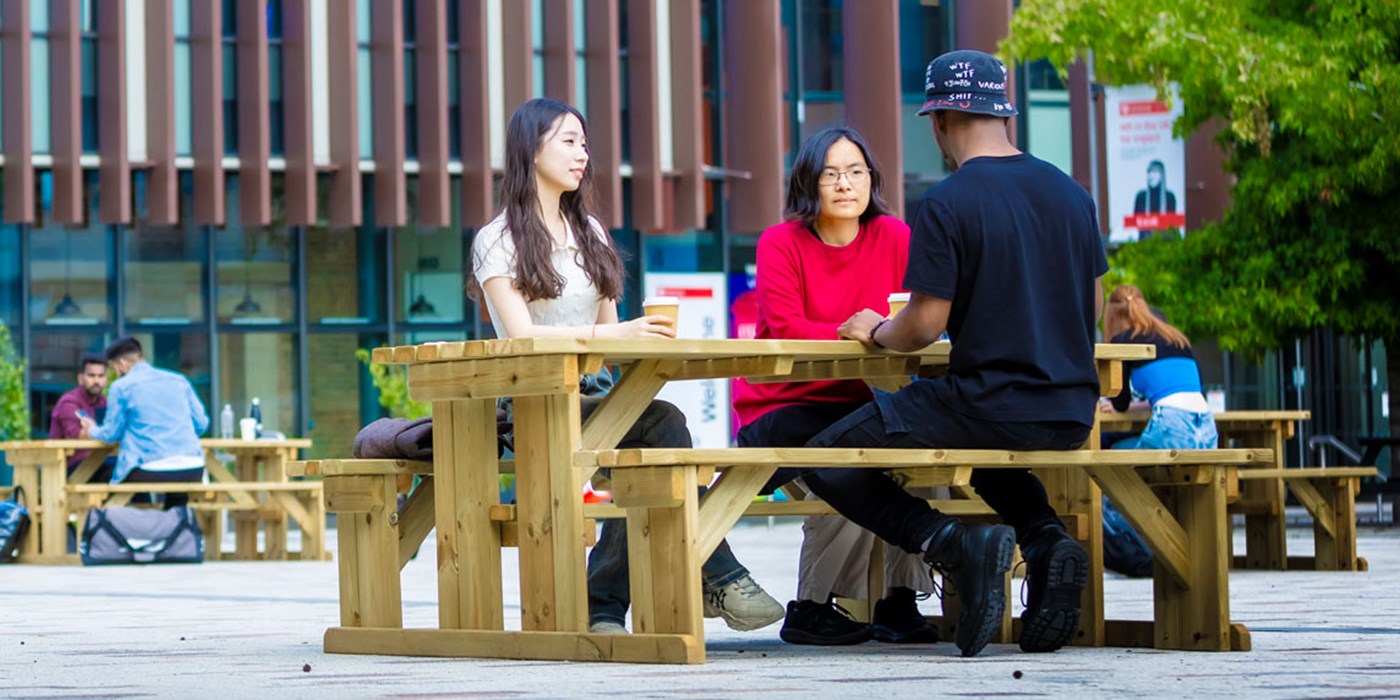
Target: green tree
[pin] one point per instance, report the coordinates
(1309, 91)
(14, 405)
(392, 383)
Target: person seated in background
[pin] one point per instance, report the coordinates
(156, 417)
(87, 398)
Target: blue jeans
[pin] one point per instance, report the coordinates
(1172, 428)
(609, 587)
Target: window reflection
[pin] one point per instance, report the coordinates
(262, 366)
(164, 267)
(342, 395)
(255, 266)
(71, 268)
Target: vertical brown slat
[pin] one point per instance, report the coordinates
(300, 145)
(342, 42)
(66, 113)
(604, 107)
(559, 50)
(648, 209)
(754, 113)
(477, 204)
(18, 135)
(687, 102)
(386, 60)
(1080, 109)
(518, 53)
(1207, 182)
(114, 175)
(162, 193)
(254, 178)
(872, 88)
(434, 194)
(207, 110)
(983, 30)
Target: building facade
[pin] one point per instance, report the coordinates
(258, 188)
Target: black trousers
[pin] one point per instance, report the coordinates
(172, 500)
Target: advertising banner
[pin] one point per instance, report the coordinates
(1146, 165)
(704, 313)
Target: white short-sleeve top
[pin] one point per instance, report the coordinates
(493, 255)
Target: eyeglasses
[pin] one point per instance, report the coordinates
(853, 176)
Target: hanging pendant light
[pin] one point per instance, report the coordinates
(248, 305)
(66, 307)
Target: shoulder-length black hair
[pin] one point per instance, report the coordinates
(804, 201)
(531, 125)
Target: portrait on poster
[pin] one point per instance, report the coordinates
(1146, 165)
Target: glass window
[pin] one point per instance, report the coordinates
(39, 75)
(925, 31)
(184, 97)
(91, 133)
(277, 130)
(230, 58)
(341, 401)
(344, 275)
(10, 277)
(430, 264)
(364, 76)
(164, 267)
(53, 368)
(263, 366)
(255, 269)
(71, 269)
(410, 78)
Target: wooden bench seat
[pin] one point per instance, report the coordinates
(1329, 495)
(300, 500)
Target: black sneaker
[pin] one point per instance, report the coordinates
(1057, 569)
(822, 624)
(976, 560)
(897, 620)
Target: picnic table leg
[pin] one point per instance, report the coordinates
(1197, 616)
(1073, 493)
(245, 523)
(465, 485)
(53, 526)
(553, 590)
(1333, 506)
(367, 520)
(1266, 528)
(274, 468)
(212, 522)
(662, 507)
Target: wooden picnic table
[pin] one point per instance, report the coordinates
(40, 467)
(555, 455)
(1261, 500)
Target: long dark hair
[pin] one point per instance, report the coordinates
(532, 123)
(804, 200)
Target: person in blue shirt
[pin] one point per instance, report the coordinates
(156, 417)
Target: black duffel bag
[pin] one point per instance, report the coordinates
(122, 535)
(14, 522)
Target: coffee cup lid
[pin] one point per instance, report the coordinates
(662, 301)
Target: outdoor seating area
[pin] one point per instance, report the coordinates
(252, 489)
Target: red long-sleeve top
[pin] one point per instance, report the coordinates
(806, 289)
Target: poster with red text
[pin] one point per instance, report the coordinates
(1146, 165)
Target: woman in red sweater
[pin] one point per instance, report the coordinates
(839, 252)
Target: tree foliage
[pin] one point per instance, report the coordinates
(1309, 92)
(392, 384)
(14, 405)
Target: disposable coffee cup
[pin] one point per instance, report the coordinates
(669, 307)
(248, 428)
(897, 302)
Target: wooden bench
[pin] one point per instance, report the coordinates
(300, 500)
(1175, 498)
(1329, 495)
(376, 537)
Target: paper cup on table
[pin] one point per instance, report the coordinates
(669, 307)
(897, 302)
(248, 428)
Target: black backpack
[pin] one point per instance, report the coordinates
(14, 522)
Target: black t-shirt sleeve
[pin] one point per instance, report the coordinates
(933, 260)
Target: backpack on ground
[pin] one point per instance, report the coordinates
(14, 523)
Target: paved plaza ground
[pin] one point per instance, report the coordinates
(234, 630)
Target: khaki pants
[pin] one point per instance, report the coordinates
(835, 560)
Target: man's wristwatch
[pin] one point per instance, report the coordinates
(873, 340)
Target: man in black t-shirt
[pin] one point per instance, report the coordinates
(1005, 255)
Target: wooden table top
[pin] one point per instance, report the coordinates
(1223, 417)
(622, 351)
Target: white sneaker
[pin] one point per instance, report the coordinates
(743, 604)
(605, 627)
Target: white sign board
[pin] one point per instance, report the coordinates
(1146, 165)
(704, 313)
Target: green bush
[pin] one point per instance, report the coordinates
(14, 405)
(392, 383)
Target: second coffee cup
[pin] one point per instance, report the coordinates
(897, 302)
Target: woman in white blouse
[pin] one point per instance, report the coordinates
(548, 269)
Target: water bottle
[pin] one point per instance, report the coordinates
(226, 421)
(255, 412)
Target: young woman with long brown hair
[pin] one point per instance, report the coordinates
(1171, 382)
(548, 269)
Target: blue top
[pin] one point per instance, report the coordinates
(1172, 372)
(1014, 244)
(155, 414)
